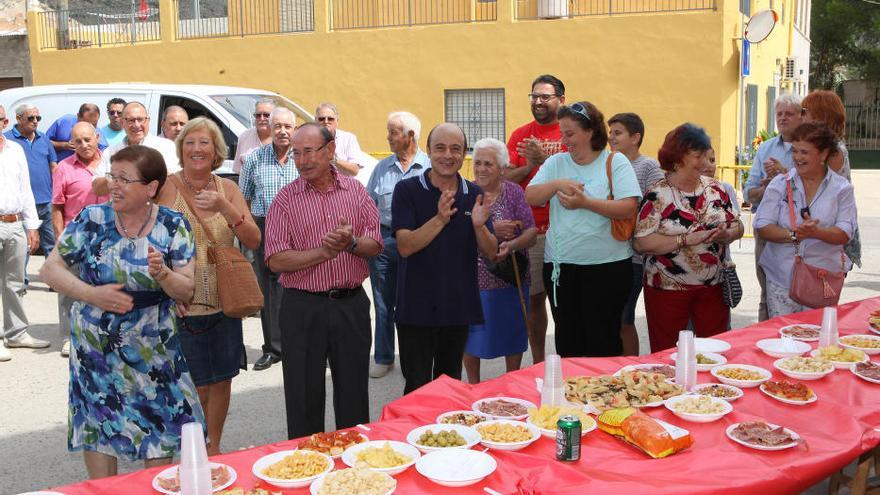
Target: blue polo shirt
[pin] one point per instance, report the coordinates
(60, 131)
(438, 285)
(112, 136)
(39, 154)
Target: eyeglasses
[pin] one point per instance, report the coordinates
(544, 98)
(581, 110)
(114, 112)
(124, 180)
(261, 115)
(297, 154)
(326, 119)
(136, 120)
(34, 118)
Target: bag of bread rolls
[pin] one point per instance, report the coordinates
(654, 437)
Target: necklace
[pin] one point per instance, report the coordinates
(132, 239)
(191, 186)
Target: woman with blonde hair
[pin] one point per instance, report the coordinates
(212, 342)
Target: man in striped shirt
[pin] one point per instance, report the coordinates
(320, 231)
(265, 171)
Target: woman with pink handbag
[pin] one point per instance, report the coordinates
(806, 217)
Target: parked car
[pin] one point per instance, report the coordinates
(230, 107)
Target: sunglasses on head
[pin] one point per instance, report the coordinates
(581, 110)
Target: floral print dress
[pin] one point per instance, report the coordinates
(130, 389)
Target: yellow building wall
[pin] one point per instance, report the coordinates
(669, 68)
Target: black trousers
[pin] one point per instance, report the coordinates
(428, 352)
(316, 329)
(272, 292)
(587, 305)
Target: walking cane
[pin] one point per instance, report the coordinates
(522, 299)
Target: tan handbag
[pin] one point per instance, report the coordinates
(621, 228)
(812, 286)
(237, 286)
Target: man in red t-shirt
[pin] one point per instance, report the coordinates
(529, 146)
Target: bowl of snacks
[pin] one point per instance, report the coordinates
(292, 468)
(705, 360)
(869, 344)
(804, 368)
(383, 456)
(867, 371)
(740, 375)
(504, 407)
(802, 332)
(333, 443)
(456, 467)
(784, 347)
(439, 436)
(546, 417)
(874, 321)
(353, 480)
(841, 357)
(795, 393)
(698, 408)
(505, 434)
(718, 390)
(466, 418)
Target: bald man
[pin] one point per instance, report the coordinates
(173, 120)
(71, 192)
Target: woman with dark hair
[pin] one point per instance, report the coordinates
(685, 224)
(130, 388)
(825, 219)
(212, 342)
(587, 272)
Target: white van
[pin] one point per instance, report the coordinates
(230, 107)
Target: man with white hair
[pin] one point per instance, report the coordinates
(265, 171)
(349, 158)
(173, 119)
(136, 122)
(18, 214)
(406, 161)
(258, 135)
(773, 158)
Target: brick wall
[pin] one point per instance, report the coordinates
(15, 61)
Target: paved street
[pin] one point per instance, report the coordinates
(33, 386)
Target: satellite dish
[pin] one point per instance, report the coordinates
(760, 26)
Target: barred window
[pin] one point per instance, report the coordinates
(479, 112)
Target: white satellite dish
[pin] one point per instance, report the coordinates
(760, 26)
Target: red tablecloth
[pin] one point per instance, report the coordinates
(842, 424)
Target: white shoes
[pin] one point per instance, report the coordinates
(27, 341)
(65, 348)
(379, 370)
(5, 355)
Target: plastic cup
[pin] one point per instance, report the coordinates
(195, 470)
(686, 362)
(553, 389)
(828, 334)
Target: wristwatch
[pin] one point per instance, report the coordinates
(354, 245)
(793, 236)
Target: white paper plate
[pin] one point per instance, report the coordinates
(873, 329)
(267, 460)
(528, 405)
(316, 485)
(439, 419)
(552, 433)
(763, 447)
(812, 399)
(801, 375)
(456, 467)
(644, 367)
(867, 350)
(740, 383)
(172, 471)
(853, 370)
(718, 358)
(716, 346)
(536, 434)
(470, 435)
(811, 339)
(337, 456)
(739, 392)
(779, 348)
(349, 457)
(841, 365)
(699, 418)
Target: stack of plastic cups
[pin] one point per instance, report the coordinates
(686, 361)
(828, 334)
(553, 389)
(195, 470)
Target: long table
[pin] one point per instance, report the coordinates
(841, 425)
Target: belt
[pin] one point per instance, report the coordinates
(146, 298)
(334, 293)
(10, 218)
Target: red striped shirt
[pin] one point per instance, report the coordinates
(300, 216)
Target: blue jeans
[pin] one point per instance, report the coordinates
(383, 279)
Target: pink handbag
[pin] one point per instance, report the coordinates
(811, 286)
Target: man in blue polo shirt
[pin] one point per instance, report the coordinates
(440, 223)
(59, 131)
(41, 160)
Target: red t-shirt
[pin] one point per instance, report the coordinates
(551, 138)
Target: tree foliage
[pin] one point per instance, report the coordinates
(845, 42)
